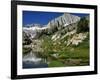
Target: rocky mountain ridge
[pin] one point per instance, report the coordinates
(35, 31)
(58, 28)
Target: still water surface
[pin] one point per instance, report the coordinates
(31, 60)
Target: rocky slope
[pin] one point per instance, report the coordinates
(35, 30)
(60, 28)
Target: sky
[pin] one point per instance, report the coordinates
(36, 17)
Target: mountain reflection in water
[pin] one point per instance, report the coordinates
(31, 60)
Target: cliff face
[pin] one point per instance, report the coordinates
(63, 20)
(60, 23)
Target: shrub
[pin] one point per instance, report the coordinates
(83, 25)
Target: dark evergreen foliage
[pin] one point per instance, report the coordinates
(83, 25)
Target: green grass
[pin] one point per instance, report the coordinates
(67, 55)
(56, 63)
